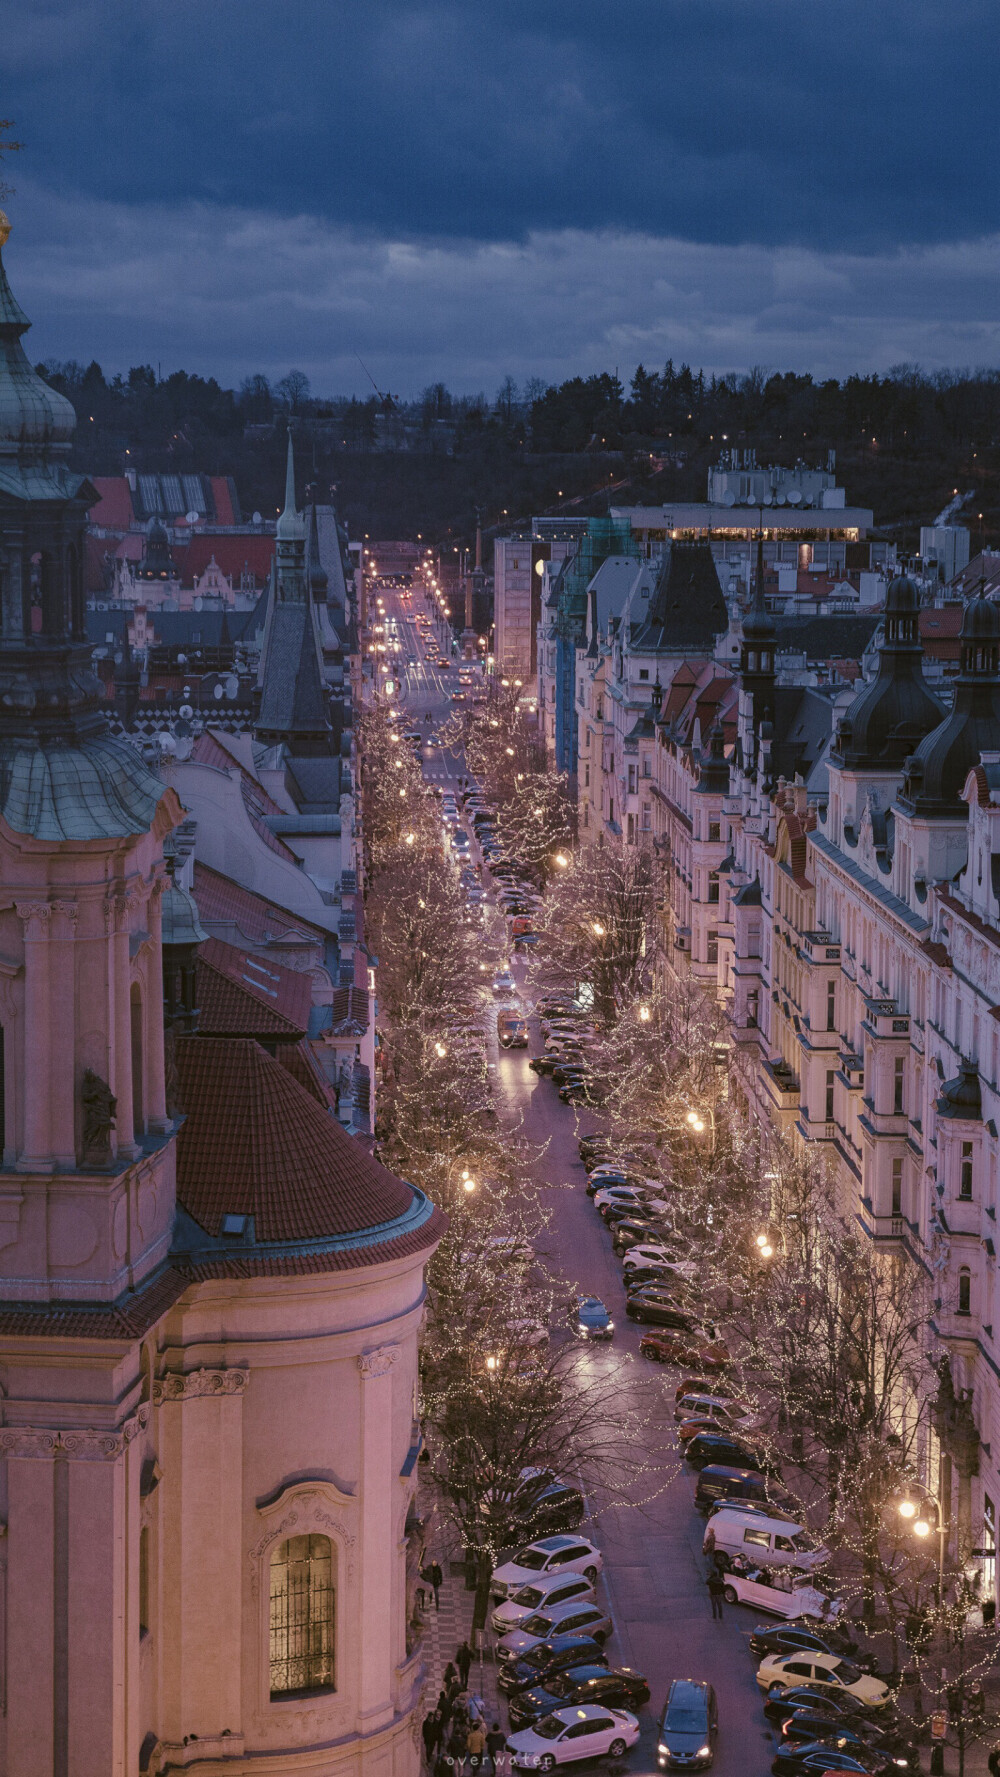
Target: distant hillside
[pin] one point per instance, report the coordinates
(904, 443)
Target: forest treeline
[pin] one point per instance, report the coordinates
(903, 439)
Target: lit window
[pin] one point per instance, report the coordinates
(965, 1291)
(302, 1615)
(965, 1172)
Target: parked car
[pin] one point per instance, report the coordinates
(660, 1310)
(821, 1760)
(774, 1541)
(541, 1594)
(826, 1671)
(578, 1618)
(619, 1689)
(781, 1702)
(825, 1638)
(807, 1727)
(557, 1654)
(550, 1554)
(683, 1348)
(556, 1506)
(781, 1590)
(568, 1735)
(718, 1446)
(590, 1319)
(717, 1483)
(734, 1414)
(689, 1726)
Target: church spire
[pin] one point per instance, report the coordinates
(290, 535)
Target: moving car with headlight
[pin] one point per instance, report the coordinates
(567, 1735)
(689, 1726)
(590, 1319)
(548, 1589)
(550, 1554)
(828, 1672)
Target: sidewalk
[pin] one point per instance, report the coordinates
(446, 1628)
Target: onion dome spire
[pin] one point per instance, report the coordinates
(936, 773)
(890, 716)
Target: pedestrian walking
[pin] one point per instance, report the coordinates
(475, 1745)
(450, 1675)
(496, 1740)
(716, 1588)
(442, 1765)
(463, 1660)
(436, 1580)
(457, 1742)
(444, 1710)
(431, 1731)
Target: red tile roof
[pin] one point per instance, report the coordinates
(252, 551)
(243, 995)
(223, 901)
(114, 508)
(223, 499)
(255, 1143)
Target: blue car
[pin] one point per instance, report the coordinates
(590, 1319)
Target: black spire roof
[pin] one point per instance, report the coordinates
(687, 609)
(891, 715)
(936, 773)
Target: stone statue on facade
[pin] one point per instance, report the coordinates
(99, 1107)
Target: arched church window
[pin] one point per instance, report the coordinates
(302, 1616)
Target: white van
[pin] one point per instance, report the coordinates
(773, 1542)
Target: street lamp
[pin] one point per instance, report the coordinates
(597, 929)
(562, 860)
(644, 1014)
(920, 1524)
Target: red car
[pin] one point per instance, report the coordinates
(676, 1348)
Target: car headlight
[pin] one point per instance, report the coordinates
(703, 1752)
(611, 1326)
(664, 1749)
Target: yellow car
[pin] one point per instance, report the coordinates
(827, 1672)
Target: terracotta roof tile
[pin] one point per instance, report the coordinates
(301, 1063)
(254, 1142)
(242, 995)
(220, 899)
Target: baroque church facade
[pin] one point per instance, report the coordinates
(210, 1294)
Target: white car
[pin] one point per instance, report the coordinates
(587, 1731)
(730, 1415)
(628, 1197)
(650, 1253)
(547, 1589)
(550, 1554)
(782, 1592)
(504, 982)
(828, 1671)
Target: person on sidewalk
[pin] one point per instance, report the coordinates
(431, 1731)
(463, 1660)
(435, 1579)
(716, 1588)
(496, 1740)
(475, 1745)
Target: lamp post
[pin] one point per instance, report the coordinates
(696, 1120)
(916, 1516)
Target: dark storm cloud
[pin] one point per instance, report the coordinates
(829, 123)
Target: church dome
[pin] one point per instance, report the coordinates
(936, 774)
(891, 715)
(31, 414)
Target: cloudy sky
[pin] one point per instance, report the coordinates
(466, 188)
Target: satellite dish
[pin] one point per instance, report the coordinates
(256, 519)
(192, 517)
(768, 499)
(232, 686)
(794, 496)
(779, 498)
(186, 711)
(217, 692)
(727, 499)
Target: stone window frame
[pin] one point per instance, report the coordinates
(306, 1508)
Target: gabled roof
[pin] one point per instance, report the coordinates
(293, 703)
(244, 995)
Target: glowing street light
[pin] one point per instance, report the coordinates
(644, 1014)
(409, 838)
(597, 929)
(907, 1509)
(440, 1050)
(562, 860)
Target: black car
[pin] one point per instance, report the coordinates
(620, 1689)
(542, 1064)
(549, 1508)
(788, 1638)
(779, 1704)
(717, 1446)
(689, 1726)
(641, 1275)
(558, 1654)
(821, 1759)
(806, 1726)
(653, 1313)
